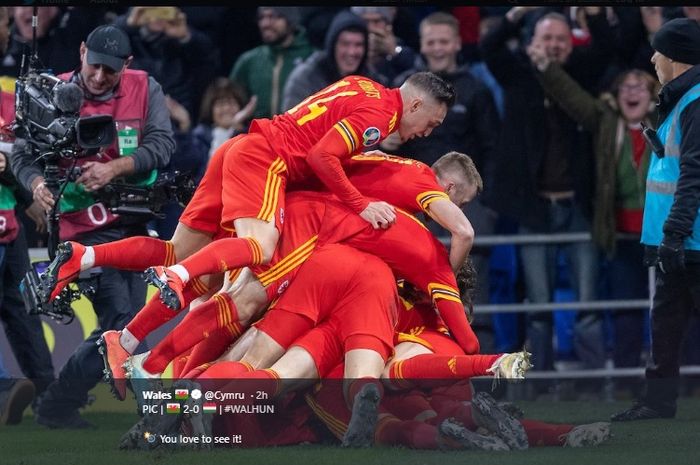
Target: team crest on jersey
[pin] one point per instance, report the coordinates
(283, 287)
(281, 215)
(371, 136)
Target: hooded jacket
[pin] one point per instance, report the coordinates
(320, 69)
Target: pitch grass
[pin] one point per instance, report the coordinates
(657, 442)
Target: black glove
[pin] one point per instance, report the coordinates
(671, 254)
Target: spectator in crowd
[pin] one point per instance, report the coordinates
(479, 69)
(622, 162)
(670, 230)
(345, 53)
(224, 111)
(58, 33)
(632, 30)
(387, 55)
(540, 178)
(471, 126)
(24, 332)
(264, 70)
(180, 58)
(469, 18)
(15, 396)
(142, 145)
(217, 22)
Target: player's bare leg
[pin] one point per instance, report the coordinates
(263, 352)
(187, 241)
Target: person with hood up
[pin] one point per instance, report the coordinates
(345, 53)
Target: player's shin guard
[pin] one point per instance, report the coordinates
(222, 255)
(218, 312)
(135, 253)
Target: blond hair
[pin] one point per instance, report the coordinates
(460, 164)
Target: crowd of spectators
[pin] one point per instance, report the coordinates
(549, 106)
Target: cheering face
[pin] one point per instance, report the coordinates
(420, 117)
(555, 37)
(349, 50)
(440, 44)
(633, 98)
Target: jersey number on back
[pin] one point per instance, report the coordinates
(315, 103)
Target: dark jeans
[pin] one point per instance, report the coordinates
(676, 298)
(120, 295)
(539, 270)
(24, 332)
(628, 278)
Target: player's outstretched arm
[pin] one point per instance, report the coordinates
(451, 217)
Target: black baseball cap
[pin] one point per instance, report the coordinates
(109, 46)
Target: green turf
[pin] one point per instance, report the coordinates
(657, 442)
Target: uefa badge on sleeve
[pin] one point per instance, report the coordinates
(371, 136)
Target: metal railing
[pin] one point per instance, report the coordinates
(597, 305)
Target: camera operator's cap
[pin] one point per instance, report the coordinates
(679, 40)
(109, 46)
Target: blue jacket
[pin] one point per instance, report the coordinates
(673, 183)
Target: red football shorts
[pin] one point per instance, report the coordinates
(203, 212)
(254, 181)
(354, 292)
(438, 343)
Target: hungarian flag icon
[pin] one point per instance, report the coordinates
(209, 407)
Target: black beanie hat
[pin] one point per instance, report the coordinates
(679, 40)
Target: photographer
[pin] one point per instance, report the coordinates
(143, 144)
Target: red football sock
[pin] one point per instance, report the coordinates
(446, 408)
(407, 405)
(357, 384)
(224, 254)
(225, 370)
(255, 385)
(540, 433)
(409, 433)
(179, 364)
(217, 312)
(155, 313)
(209, 349)
(135, 253)
(215, 376)
(439, 367)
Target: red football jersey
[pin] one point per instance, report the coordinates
(404, 183)
(414, 318)
(409, 249)
(362, 112)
